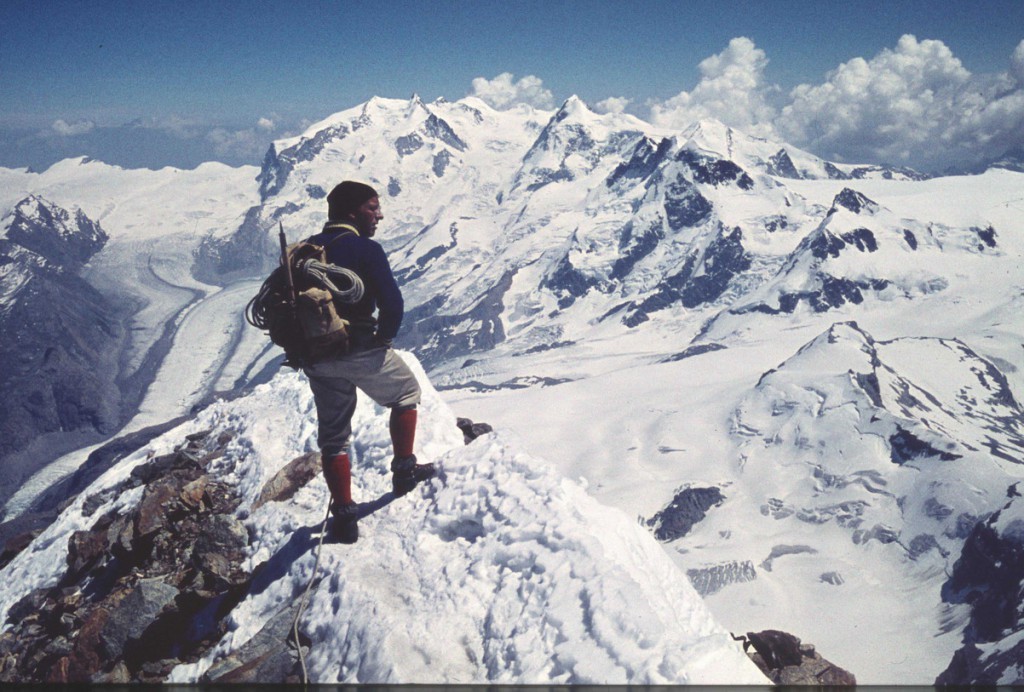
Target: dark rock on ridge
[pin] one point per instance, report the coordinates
(144, 590)
(781, 165)
(437, 336)
(724, 258)
(852, 201)
(66, 240)
(788, 661)
(471, 430)
(289, 480)
(715, 171)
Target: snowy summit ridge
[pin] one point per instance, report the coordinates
(529, 578)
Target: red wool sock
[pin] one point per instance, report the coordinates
(338, 472)
(403, 431)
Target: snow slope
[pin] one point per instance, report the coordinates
(529, 579)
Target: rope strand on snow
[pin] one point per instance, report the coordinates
(305, 594)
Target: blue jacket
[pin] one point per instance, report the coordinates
(346, 248)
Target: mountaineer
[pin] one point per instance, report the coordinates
(369, 363)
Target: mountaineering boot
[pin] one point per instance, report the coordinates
(345, 526)
(406, 473)
(338, 474)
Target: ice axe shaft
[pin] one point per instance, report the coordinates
(285, 260)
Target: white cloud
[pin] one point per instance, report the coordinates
(502, 92)
(66, 129)
(883, 108)
(1017, 64)
(612, 104)
(232, 143)
(184, 128)
(915, 105)
(731, 89)
(265, 124)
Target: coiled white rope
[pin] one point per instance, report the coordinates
(326, 274)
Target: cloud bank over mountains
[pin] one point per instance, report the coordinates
(911, 105)
(914, 105)
(501, 92)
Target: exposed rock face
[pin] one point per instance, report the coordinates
(143, 591)
(248, 251)
(787, 661)
(687, 508)
(990, 576)
(48, 504)
(58, 356)
(701, 280)
(440, 336)
(66, 239)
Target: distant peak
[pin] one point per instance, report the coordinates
(706, 126)
(416, 104)
(573, 107)
(848, 330)
(64, 237)
(854, 201)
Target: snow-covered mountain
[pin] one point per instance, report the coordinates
(803, 376)
(517, 230)
(126, 298)
(58, 358)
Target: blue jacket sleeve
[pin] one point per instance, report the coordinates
(389, 297)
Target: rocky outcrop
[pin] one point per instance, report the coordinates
(989, 575)
(471, 430)
(441, 337)
(788, 661)
(289, 480)
(703, 278)
(688, 507)
(143, 591)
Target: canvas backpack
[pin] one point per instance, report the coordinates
(296, 305)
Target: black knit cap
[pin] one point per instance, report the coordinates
(346, 197)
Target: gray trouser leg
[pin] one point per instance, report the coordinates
(335, 399)
(380, 373)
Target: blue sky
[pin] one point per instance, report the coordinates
(250, 71)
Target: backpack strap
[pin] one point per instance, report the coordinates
(340, 230)
(340, 235)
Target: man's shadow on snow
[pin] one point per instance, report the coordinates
(301, 542)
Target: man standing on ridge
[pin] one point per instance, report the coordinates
(370, 364)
